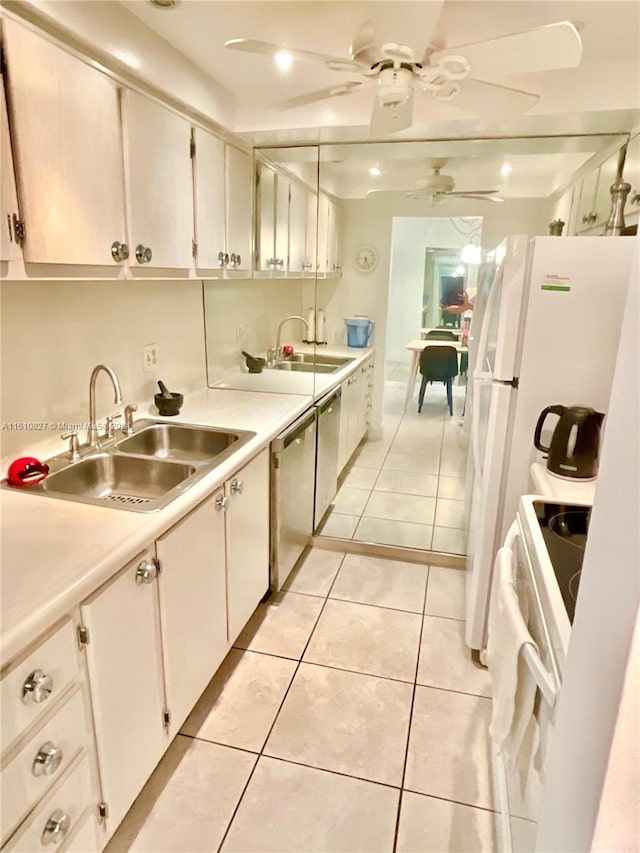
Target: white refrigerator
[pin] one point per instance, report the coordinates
(549, 328)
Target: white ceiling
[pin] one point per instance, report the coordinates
(607, 80)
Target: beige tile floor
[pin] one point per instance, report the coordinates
(407, 488)
(349, 717)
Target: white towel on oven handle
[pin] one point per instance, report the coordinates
(512, 684)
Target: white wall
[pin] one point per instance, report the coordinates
(606, 613)
(258, 305)
(54, 333)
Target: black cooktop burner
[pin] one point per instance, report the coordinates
(564, 529)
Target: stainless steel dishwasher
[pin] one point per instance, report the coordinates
(293, 459)
(328, 431)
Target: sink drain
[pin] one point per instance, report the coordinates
(114, 497)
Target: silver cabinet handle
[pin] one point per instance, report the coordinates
(279, 263)
(234, 260)
(143, 254)
(146, 572)
(222, 502)
(119, 251)
(37, 688)
(56, 827)
(307, 266)
(223, 259)
(237, 487)
(47, 760)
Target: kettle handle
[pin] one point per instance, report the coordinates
(555, 410)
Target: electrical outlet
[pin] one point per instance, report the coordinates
(149, 357)
(240, 333)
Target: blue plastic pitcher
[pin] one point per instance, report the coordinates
(359, 331)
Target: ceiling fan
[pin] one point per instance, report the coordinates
(447, 74)
(439, 187)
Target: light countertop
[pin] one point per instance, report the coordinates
(55, 553)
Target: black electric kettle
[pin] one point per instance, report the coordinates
(573, 450)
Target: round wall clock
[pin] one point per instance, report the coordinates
(366, 258)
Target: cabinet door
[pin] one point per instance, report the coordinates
(298, 212)
(266, 217)
(125, 678)
(346, 421)
(247, 527)
(312, 233)
(239, 195)
(208, 175)
(632, 176)
(282, 223)
(323, 235)
(66, 131)
(333, 239)
(9, 248)
(606, 177)
(193, 609)
(586, 206)
(159, 184)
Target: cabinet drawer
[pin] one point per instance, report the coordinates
(55, 662)
(65, 803)
(66, 734)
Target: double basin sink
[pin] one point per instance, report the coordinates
(144, 471)
(309, 363)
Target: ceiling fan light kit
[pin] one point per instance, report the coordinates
(446, 74)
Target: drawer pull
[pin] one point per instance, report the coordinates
(47, 761)
(237, 486)
(37, 687)
(56, 827)
(146, 572)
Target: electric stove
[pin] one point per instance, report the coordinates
(564, 528)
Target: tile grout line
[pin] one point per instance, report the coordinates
(413, 700)
(275, 719)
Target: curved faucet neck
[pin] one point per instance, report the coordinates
(281, 324)
(92, 434)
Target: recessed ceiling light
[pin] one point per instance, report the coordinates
(164, 4)
(283, 60)
(375, 171)
(506, 170)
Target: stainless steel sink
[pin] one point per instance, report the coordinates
(128, 481)
(301, 367)
(194, 444)
(321, 358)
(142, 472)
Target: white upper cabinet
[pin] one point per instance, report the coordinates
(632, 176)
(298, 220)
(223, 204)
(281, 241)
(209, 172)
(159, 184)
(312, 233)
(65, 125)
(239, 207)
(10, 224)
(333, 239)
(322, 259)
(266, 218)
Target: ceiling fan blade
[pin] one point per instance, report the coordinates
(474, 192)
(363, 48)
(336, 63)
(477, 196)
(489, 99)
(319, 95)
(388, 118)
(546, 48)
(385, 192)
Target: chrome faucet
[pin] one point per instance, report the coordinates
(279, 332)
(92, 434)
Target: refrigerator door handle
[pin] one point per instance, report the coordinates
(479, 377)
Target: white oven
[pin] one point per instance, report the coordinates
(519, 779)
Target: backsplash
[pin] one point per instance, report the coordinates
(54, 333)
(257, 305)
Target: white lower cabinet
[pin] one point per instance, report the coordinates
(159, 630)
(192, 606)
(125, 675)
(247, 528)
(356, 394)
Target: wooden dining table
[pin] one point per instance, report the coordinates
(415, 348)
